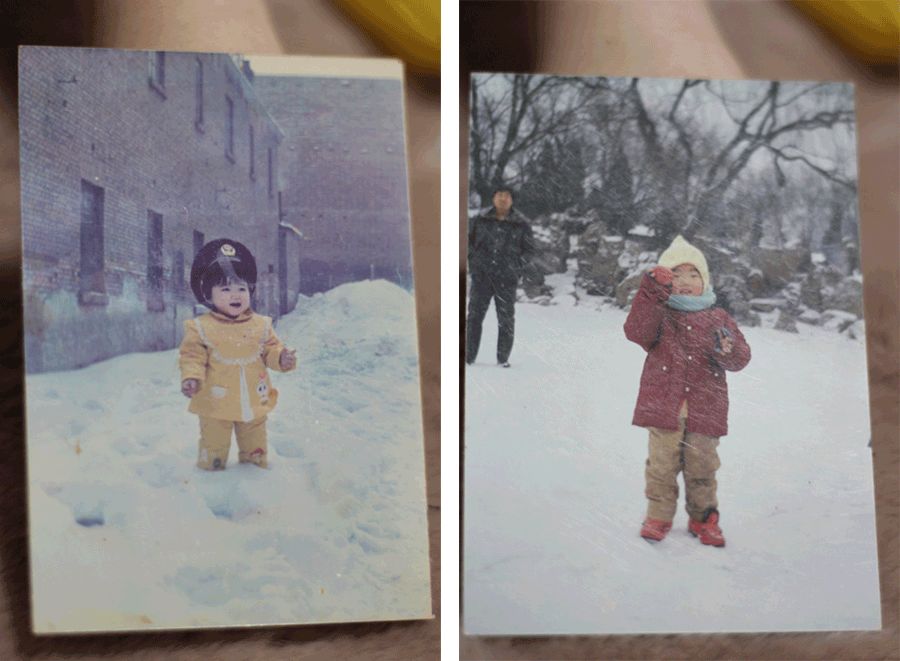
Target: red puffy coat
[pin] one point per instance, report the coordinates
(683, 362)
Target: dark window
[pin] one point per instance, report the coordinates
(198, 94)
(92, 283)
(199, 241)
(252, 154)
(158, 72)
(229, 129)
(154, 261)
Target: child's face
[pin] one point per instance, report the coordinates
(686, 281)
(232, 298)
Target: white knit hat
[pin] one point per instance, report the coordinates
(682, 252)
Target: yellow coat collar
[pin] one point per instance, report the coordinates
(246, 315)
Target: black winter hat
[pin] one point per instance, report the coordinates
(218, 260)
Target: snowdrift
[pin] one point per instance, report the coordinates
(127, 534)
(555, 479)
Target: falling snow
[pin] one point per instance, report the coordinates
(555, 476)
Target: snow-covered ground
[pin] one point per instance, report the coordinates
(555, 477)
(127, 534)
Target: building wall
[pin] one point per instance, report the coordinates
(92, 115)
(344, 176)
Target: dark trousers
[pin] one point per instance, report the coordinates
(503, 290)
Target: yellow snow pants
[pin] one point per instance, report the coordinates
(215, 442)
(672, 452)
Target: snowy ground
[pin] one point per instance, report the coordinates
(554, 488)
(127, 534)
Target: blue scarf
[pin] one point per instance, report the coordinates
(692, 303)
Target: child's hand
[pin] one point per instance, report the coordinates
(726, 344)
(190, 387)
(662, 275)
(288, 359)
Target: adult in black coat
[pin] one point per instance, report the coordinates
(501, 244)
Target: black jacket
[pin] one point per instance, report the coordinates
(500, 248)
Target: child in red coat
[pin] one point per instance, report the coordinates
(683, 398)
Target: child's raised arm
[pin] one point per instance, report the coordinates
(646, 314)
(192, 356)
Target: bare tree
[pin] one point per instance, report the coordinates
(687, 143)
(762, 128)
(512, 115)
(696, 182)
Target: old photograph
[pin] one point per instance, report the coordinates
(666, 399)
(216, 246)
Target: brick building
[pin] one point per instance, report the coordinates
(130, 160)
(344, 174)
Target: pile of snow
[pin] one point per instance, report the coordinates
(837, 320)
(127, 534)
(626, 260)
(642, 230)
(543, 234)
(809, 316)
(554, 493)
(767, 304)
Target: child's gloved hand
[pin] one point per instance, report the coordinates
(288, 359)
(724, 343)
(190, 387)
(662, 275)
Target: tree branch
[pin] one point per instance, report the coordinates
(740, 135)
(831, 175)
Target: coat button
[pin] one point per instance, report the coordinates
(665, 368)
(690, 358)
(689, 327)
(715, 374)
(687, 388)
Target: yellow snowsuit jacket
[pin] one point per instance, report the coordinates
(229, 357)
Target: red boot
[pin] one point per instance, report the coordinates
(655, 530)
(708, 531)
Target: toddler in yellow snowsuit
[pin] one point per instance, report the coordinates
(225, 357)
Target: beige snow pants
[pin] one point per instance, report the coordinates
(215, 442)
(670, 453)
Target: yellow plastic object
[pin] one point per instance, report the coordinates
(408, 29)
(870, 28)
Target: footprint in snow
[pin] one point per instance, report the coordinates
(377, 532)
(90, 519)
(215, 586)
(161, 472)
(227, 500)
(370, 546)
(95, 505)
